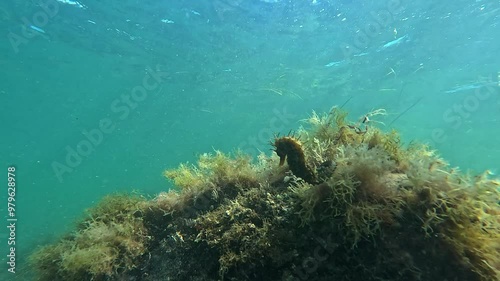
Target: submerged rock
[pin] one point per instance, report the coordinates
(367, 209)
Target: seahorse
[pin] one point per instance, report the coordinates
(290, 148)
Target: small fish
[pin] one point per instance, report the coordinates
(393, 42)
(360, 54)
(74, 3)
(35, 28)
(334, 63)
(472, 86)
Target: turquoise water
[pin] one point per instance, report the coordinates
(99, 97)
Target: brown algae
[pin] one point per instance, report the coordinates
(351, 204)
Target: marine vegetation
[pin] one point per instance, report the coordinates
(109, 240)
(337, 200)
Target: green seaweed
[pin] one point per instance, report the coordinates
(109, 241)
(376, 210)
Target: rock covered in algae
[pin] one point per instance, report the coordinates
(346, 202)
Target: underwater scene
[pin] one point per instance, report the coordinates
(250, 140)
